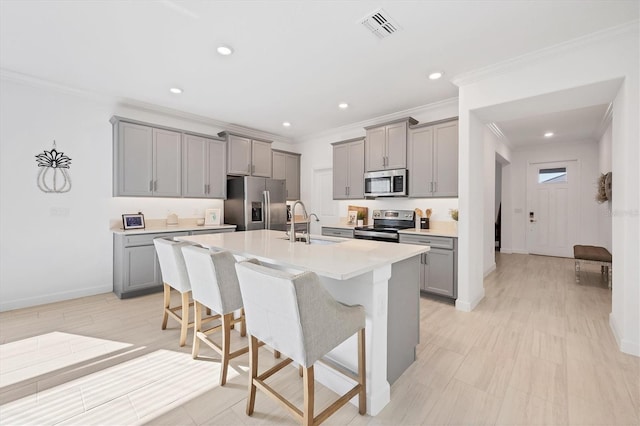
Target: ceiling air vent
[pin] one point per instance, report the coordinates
(380, 24)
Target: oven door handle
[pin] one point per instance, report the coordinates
(385, 235)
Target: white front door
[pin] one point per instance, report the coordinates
(553, 208)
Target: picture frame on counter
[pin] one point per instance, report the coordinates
(353, 217)
(212, 217)
(133, 221)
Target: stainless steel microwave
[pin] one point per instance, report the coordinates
(386, 183)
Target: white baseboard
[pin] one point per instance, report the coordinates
(489, 270)
(54, 297)
(505, 250)
(466, 306)
(626, 346)
(519, 251)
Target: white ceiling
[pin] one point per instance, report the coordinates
(294, 60)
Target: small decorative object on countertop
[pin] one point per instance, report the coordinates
(454, 214)
(133, 221)
(172, 219)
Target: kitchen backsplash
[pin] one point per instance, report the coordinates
(160, 208)
(439, 206)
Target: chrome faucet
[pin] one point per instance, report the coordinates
(309, 224)
(292, 234)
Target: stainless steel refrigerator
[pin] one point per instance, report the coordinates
(256, 203)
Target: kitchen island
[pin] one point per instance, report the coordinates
(382, 277)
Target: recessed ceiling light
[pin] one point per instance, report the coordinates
(286, 124)
(548, 134)
(225, 50)
(436, 75)
(343, 105)
(176, 90)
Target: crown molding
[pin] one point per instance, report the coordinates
(36, 82)
(503, 67)
(29, 80)
(348, 128)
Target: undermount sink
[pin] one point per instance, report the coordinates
(317, 241)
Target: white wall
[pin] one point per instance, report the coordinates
(58, 246)
(604, 209)
(605, 56)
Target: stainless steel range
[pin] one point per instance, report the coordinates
(386, 224)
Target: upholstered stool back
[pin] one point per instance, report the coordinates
(172, 266)
(213, 278)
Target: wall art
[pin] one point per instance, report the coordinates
(53, 175)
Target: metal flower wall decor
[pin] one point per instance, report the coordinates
(53, 175)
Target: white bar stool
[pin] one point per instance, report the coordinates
(297, 316)
(214, 285)
(174, 276)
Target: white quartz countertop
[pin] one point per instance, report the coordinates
(170, 228)
(346, 259)
(435, 232)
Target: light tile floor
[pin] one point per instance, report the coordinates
(538, 350)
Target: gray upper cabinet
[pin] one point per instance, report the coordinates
(433, 160)
(261, 158)
(348, 169)
(204, 167)
(386, 145)
(239, 151)
(147, 160)
(286, 165)
(246, 156)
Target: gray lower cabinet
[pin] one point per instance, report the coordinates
(337, 232)
(136, 270)
(438, 267)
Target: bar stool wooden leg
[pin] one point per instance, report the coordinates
(167, 301)
(362, 373)
(184, 323)
(276, 354)
(226, 342)
(243, 324)
(253, 373)
(197, 325)
(300, 370)
(308, 383)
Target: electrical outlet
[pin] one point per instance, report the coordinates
(59, 211)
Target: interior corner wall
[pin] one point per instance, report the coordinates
(606, 57)
(604, 209)
(472, 209)
(489, 252)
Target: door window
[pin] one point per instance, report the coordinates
(555, 175)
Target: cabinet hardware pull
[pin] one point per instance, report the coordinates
(435, 184)
(345, 190)
(426, 259)
(253, 168)
(348, 190)
(248, 168)
(150, 185)
(155, 185)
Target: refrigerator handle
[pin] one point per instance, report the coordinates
(267, 209)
